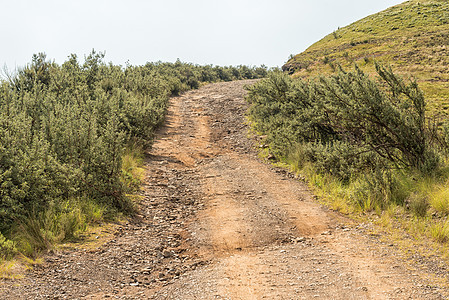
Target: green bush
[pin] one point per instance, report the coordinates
(352, 127)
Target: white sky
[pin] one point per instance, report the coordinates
(218, 32)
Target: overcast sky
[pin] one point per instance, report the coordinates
(218, 32)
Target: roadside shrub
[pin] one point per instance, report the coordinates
(352, 127)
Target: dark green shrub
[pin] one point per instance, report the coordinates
(350, 126)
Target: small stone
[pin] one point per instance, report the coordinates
(167, 254)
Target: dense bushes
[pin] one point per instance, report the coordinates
(354, 128)
(64, 129)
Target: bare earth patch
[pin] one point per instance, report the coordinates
(217, 223)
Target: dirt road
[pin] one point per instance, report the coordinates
(217, 223)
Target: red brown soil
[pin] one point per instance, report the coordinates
(218, 223)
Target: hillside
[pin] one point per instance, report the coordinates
(412, 37)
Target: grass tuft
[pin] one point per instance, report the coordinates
(132, 171)
(418, 204)
(440, 231)
(10, 269)
(439, 200)
(61, 222)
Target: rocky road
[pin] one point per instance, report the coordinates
(215, 222)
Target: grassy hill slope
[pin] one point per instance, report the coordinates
(412, 37)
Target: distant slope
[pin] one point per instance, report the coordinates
(413, 37)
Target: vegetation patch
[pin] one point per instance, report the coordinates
(364, 143)
(349, 167)
(72, 142)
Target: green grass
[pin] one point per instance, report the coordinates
(440, 231)
(412, 37)
(132, 170)
(439, 199)
(9, 269)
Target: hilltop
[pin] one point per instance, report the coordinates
(412, 37)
